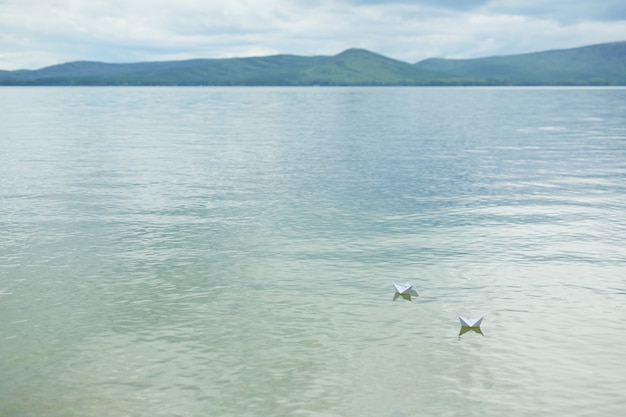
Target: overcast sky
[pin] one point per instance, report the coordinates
(38, 33)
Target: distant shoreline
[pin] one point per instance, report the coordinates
(601, 65)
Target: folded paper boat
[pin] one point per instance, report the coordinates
(467, 322)
(405, 289)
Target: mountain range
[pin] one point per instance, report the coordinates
(603, 64)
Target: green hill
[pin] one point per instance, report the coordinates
(592, 65)
(351, 67)
(361, 67)
(603, 64)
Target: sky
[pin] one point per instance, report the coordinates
(39, 33)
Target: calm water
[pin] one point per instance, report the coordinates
(231, 252)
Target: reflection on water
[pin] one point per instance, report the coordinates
(229, 252)
(465, 329)
(406, 296)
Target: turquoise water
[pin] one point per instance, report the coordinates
(231, 251)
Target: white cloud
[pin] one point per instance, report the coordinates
(563, 11)
(36, 33)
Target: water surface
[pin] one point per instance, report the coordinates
(231, 251)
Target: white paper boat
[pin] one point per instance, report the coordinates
(467, 322)
(405, 289)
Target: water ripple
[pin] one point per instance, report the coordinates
(231, 251)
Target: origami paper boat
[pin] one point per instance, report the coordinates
(405, 289)
(468, 322)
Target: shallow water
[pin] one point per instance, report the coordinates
(231, 251)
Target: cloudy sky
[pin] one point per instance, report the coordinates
(38, 33)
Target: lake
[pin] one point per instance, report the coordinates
(232, 251)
